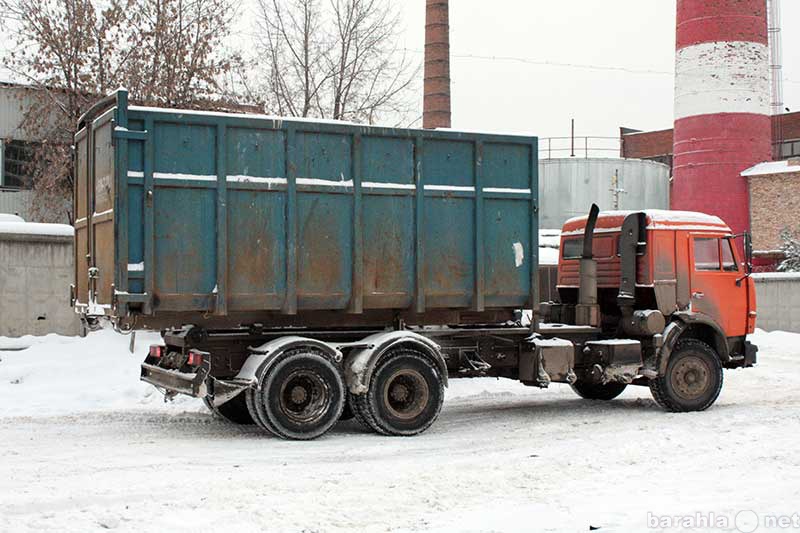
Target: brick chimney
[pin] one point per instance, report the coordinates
(436, 104)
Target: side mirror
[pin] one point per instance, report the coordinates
(748, 252)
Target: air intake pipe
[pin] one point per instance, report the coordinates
(587, 312)
(632, 243)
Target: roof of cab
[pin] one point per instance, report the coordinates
(657, 219)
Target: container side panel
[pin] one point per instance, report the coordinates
(387, 160)
(185, 243)
(256, 249)
(135, 238)
(325, 240)
(135, 148)
(506, 165)
(103, 169)
(103, 216)
(135, 207)
(388, 251)
(449, 163)
(185, 149)
(507, 252)
(449, 251)
(81, 227)
(258, 153)
(324, 156)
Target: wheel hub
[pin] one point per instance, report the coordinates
(304, 396)
(406, 394)
(691, 378)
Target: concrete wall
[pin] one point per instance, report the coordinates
(778, 304)
(35, 274)
(15, 202)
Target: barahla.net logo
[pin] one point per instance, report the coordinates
(745, 521)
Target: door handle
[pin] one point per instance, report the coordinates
(698, 295)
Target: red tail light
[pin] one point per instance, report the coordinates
(156, 350)
(195, 358)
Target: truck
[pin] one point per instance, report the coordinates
(302, 272)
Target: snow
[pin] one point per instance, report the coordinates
(384, 185)
(35, 228)
(777, 276)
(4, 217)
(87, 447)
(771, 168)
(519, 254)
(460, 188)
(506, 190)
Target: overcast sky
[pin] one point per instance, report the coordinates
(513, 96)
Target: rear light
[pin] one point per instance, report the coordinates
(195, 358)
(156, 350)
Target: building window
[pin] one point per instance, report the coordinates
(789, 149)
(16, 159)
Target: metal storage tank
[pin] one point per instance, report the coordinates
(568, 187)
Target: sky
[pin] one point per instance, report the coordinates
(530, 97)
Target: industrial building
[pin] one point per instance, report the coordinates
(15, 149)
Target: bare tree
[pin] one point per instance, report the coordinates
(72, 52)
(176, 55)
(339, 59)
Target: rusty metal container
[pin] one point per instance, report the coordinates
(187, 216)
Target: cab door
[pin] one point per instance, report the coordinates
(715, 270)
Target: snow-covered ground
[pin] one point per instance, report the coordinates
(84, 446)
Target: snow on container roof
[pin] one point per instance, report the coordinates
(19, 227)
(771, 168)
(4, 217)
(657, 219)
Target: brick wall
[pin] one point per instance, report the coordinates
(790, 125)
(647, 144)
(774, 206)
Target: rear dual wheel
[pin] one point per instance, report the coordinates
(300, 396)
(404, 397)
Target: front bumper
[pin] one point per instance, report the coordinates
(198, 384)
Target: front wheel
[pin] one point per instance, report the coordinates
(405, 394)
(598, 391)
(693, 379)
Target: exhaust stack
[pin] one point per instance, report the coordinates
(436, 103)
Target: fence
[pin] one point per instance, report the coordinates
(778, 305)
(585, 147)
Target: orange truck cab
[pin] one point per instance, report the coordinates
(676, 282)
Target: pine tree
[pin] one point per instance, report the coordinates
(791, 249)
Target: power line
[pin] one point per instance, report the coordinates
(540, 62)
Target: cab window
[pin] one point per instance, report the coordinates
(573, 248)
(706, 254)
(728, 259)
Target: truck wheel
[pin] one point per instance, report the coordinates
(598, 391)
(234, 410)
(693, 379)
(405, 394)
(301, 396)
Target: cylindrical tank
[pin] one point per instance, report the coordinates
(436, 101)
(568, 187)
(722, 123)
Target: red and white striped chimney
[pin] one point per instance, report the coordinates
(722, 105)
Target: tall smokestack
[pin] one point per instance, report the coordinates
(436, 104)
(722, 105)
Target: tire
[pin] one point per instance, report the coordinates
(300, 396)
(693, 379)
(598, 391)
(234, 410)
(404, 397)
